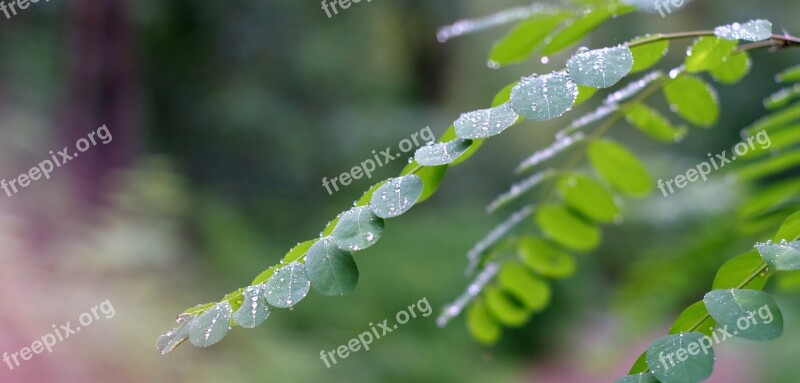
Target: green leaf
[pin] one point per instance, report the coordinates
(294, 254)
(782, 97)
(769, 198)
(747, 314)
(769, 167)
(288, 286)
(692, 358)
(450, 134)
(358, 229)
(524, 39)
(580, 27)
(773, 143)
(367, 196)
(541, 98)
(397, 196)
(647, 55)
(170, 340)
(693, 99)
(441, 153)
(739, 269)
(642, 377)
(198, 309)
(600, 68)
(254, 309)
(480, 324)
(569, 230)
(655, 125)
(504, 95)
(733, 70)
(485, 123)
(620, 168)
(753, 30)
(790, 229)
(531, 291)
(694, 318)
(332, 271)
(588, 197)
(789, 75)
(777, 120)
(545, 259)
(781, 256)
(584, 94)
(708, 52)
(640, 365)
(504, 309)
(211, 326)
(431, 178)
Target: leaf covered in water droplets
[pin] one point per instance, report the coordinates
(541, 98)
(753, 30)
(486, 122)
(287, 286)
(762, 316)
(254, 309)
(332, 271)
(643, 377)
(358, 229)
(600, 68)
(211, 326)
(396, 196)
(441, 153)
(782, 256)
(170, 340)
(688, 369)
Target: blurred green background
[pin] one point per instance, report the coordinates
(225, 118)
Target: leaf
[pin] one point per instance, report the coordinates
(789, 75)
(504, 95)
(747, 314)
(503, 309)
(578, 28)
(769, 167)
(431, 178)
(584, 94)
(441, 153)
(170, 340)
(564, 227)
(545, 259)
(332, 271)
(485, 123)
(733, 70)
(693, 99)
(211, 326)
(654, 124)
(480, 324)
(642, 377)
(600, 68)
(790, 229)
(739, 269)
(753, 30)
(769, 198)
(367, 196)
(541, 98)
(781, 256)
(690, 320)
(640, 365)
(619, 168)
(397, 196)
(782, 97)
(776, 143)
(691, 360)
(588, 197)
(647, 55)
(254, 309)
(287, 286)
(776, 120)
(522, 41)
(708, 52)
(450, 134)
(358, 229)
(531, 291)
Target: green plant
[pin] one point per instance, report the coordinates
(513, 264)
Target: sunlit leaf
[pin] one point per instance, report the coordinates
(533, 292)
(588, 197)
(693, 99)
(654, 124)
(738, 270)
(733, 70)
(524, 39)
(541, 98)
(481, 325)
(708, 52)
(584, 94)
(790, 229)
(620, 168)
(789, 75)
(569, 230)
(782, 97)
(647, 55)
(694, 318)
(504, 309)
(580, 27)
(544, 258)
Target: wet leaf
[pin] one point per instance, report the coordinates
(397, 196)
(431, 178)
(747, 314)
(211, 326)
(332, 271)
(441, 153)
(600, 68)
(170, 340)
(254, 309)
(642, 377)
(576, 29)
(485, 123)
(681, 358)
(541, 98)
(780, 256)
(288, 286)
(358, 229)
(753, 30)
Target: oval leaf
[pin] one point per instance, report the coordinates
(654, 124)
(708, 52)
(211, 326)
(642, 377)
(747, 314)
(254, 309)
(170, 340)
(620, 168)
(396, 196)
(332, 271)
(682, 358)
(485, 123)
(531, 291)
(733, 70)
(544, 258)
(647, 55)
(739, 269)
(782, 256)
(441, 153)
(287, 286)
(588, 197)
(504, 309)
(480, 324)
(693, 99)
(569, 230)
(541, 98)
(753, 30)
(523, 40)
(600, 68)
(358, 229)
(431, 178)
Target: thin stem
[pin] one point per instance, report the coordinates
(669, 36)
